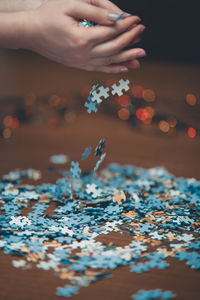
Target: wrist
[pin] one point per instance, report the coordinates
(14, 28)
(26, 26)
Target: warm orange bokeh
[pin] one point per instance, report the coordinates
(137, 91)
(191, 99)
(149, 95)
(124, 114)
(191, 133)
(124, 100)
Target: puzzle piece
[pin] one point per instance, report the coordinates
(86, 153)
(75, 171)
(121, 16)
(91, 106)
(86, 23)
(92, 189)
(153, 294)
(100, 93)
(93, 88)
(67, 291)
(59, 159)
(99, 162)
(102, 145)
(123, 86)
(119, 197)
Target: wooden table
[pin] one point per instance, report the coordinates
(32, 144)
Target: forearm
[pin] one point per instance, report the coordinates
(19, 5)
(12, 30)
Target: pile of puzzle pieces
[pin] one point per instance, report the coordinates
(158, 211)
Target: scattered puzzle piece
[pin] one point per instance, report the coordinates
(119, 197)
(153, 294)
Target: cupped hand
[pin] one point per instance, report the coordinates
(53, 31)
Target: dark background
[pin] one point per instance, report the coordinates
(173, 27)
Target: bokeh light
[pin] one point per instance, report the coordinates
(11, 122)
(149, 95)
(111, 81)
(142, 114)
(172, 121)
(164, 126)
(137, 91)
(7, 133)
(191, 99)
(191, 133)
(70, 116)
(124, 100)
(126, 106)
(124, 114)
(150, 110)
(14, 123)
(57, 101)
(7, 121)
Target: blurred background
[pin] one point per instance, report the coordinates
(156, 123)
(172, 28)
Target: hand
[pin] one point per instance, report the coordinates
(131, 63)
(53, 31)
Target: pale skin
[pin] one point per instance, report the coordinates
(51, 28)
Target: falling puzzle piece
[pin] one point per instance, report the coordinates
(99, 161)
(86, 153)
(75, 171)
(100, 93)
(123, 86)
(100, 147)
(91, 106)
(93, 88)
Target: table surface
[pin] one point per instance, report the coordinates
(32, 144)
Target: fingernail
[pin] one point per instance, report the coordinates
(139, 19)
(124, 69)
(141, 53)
(142, 28)
(115, 17)
(127, 14)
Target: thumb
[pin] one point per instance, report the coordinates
(99, 15)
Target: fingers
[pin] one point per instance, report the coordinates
(115, 69)
(105, 4)
(134, 64)
(114, 46)
(101, 34)
(83, 10)
(127, 55)
(137, 40)
(112, 69)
